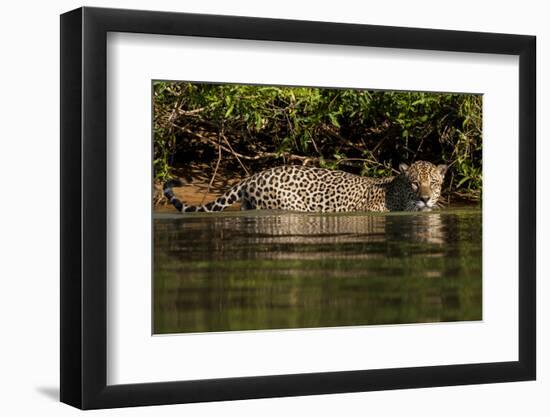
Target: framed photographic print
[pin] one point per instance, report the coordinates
(257, 208)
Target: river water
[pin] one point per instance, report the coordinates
(257, 270)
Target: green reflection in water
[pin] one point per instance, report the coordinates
(277, 270)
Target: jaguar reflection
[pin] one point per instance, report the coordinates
(275, 270)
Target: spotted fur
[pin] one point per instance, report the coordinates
(306, 189)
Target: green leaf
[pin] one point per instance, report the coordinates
(462, 181)
(258, 120)
(229, 110)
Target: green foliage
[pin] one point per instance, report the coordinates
(368, 132)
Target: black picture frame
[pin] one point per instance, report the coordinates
(84, 207)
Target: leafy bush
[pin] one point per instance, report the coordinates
(368, 132)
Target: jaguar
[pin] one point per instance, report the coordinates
(309, 189)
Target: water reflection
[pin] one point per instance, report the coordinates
(265, 270)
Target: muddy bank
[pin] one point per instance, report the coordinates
(200, 186)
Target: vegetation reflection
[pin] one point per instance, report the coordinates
(274, 270)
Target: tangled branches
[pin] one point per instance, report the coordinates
(248, 128)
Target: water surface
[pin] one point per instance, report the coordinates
(274, 270)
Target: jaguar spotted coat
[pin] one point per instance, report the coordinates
(306, 189)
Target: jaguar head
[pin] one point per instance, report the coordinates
(425, 180)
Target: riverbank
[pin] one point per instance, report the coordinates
(199, 186)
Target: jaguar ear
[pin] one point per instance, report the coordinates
(403, 168)
(442, 169)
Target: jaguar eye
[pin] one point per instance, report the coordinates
(414, 186)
